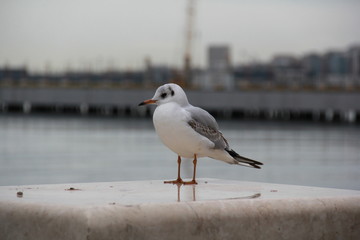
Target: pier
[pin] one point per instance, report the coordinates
(258, 104)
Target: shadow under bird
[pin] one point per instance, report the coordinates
(189, 131)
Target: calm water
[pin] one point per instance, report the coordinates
(43, 150)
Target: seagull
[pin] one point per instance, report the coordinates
(189, 131)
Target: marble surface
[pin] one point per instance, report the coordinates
(213, 209)
(140, 192)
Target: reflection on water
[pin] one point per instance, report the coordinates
(36, 150)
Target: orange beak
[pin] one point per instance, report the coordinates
(150, 101)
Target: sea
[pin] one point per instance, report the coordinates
(50, 149)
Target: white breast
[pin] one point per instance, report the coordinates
(170, 121)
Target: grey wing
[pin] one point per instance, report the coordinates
(205, 124)
(202, 116)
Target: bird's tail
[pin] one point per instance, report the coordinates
(247, 162)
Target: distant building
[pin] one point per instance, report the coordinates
(219, 74)
(287, 70)
(313, 68)
(162, 74)
(335, 63)
(156, 75)
(253, 74)
(336, 67)
(13, 74)
(354, 64)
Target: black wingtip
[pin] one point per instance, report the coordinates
(256, 166)
(241, 159)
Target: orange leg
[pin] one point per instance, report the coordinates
(193, 181)
(178, 180)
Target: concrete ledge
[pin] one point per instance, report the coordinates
(214, 209)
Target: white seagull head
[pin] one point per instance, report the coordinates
(166, 93)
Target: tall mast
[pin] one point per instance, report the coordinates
(190, 14)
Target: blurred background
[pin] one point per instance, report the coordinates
(282, 78)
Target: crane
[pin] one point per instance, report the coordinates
(189, 33)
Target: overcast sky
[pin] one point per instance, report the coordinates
(97, 34)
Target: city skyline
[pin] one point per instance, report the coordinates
(121, 34)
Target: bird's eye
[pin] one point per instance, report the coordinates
(163, 95)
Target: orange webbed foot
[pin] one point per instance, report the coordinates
(177, 181)
(192, 182)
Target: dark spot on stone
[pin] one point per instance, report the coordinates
(72, 189)
(19, 194)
